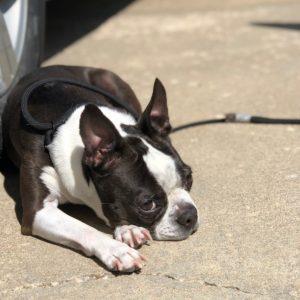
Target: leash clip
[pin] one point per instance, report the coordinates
(238, 118)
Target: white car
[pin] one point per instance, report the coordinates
(22, 24)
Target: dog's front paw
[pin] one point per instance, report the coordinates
(132, 235)
(120, 257)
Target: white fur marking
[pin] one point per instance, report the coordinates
(163, 167)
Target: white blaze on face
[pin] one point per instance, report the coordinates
(162, 167)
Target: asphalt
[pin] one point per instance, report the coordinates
(214, 57)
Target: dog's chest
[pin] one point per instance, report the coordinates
(66, 179)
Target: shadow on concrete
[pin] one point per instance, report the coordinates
(278, 25)
(11, 186)
(69, 20)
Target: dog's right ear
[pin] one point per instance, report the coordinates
(99, 137)
(155, 118)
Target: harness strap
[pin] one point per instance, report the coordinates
(50, 127)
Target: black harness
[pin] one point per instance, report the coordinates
(49, 128)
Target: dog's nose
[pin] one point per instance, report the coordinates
(187, 216)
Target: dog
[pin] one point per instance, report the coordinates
(125, 170)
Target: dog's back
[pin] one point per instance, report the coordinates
(51, 101)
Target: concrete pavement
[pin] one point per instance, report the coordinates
(213, 58)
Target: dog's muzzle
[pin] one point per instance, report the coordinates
(180, 219)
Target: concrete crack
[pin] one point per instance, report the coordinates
(163, 275)
(203, 282)
(231, 288)
(86, 278)
(94, 277)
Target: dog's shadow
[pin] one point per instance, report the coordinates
(11, 186)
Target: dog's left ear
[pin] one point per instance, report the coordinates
(155, 118)
(100, 138)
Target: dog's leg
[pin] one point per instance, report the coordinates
(43, 218)
(52, 224)
(32, 191)
(132, 235)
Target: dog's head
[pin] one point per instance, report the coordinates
(139, 176)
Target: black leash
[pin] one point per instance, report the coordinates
(240, 118)
(50, 128)
(198, 123)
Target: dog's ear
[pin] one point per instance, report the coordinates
(155, 118)
(99, 136)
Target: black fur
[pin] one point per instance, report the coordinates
(114, 164)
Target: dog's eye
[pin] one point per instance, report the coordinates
(149, 205)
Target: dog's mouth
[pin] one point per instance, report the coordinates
(171, 230)
(172, 236)
(180, 219)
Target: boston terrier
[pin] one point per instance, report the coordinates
(124, 169)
